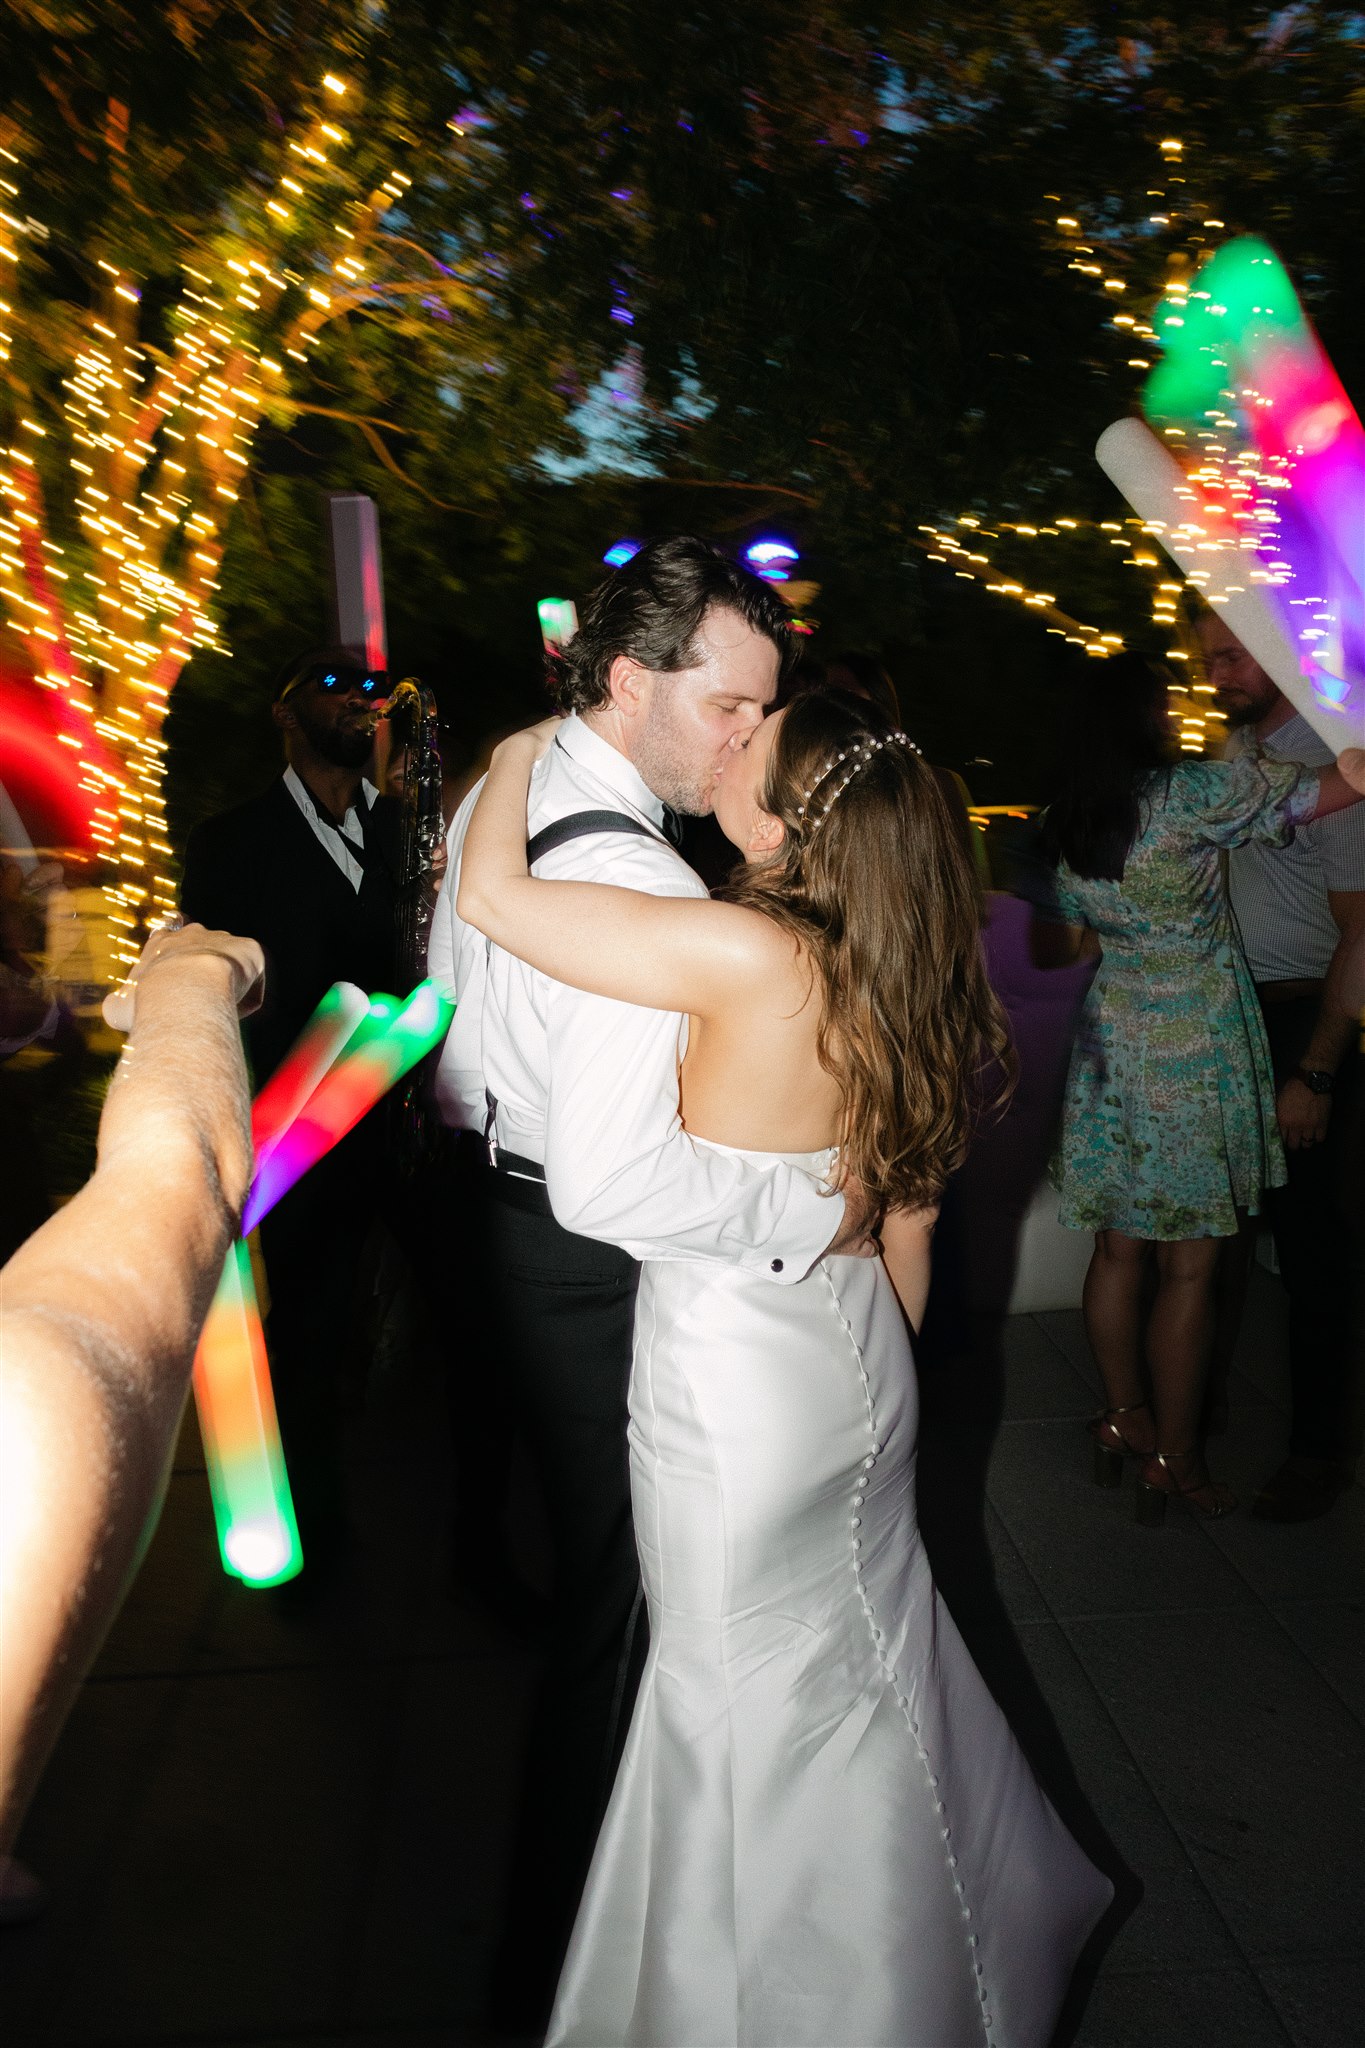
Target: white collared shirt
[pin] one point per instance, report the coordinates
(337, 843)
(588, 1087)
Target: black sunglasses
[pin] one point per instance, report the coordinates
(334, 682)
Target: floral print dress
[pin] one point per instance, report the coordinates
(1169, 1123)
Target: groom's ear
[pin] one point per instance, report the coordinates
(627, 682)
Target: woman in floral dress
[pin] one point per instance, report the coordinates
(1168, 1131)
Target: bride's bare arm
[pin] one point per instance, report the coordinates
(907, 1243)
(663, 952)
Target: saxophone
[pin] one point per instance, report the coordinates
(411, 712)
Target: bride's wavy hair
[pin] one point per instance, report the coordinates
(873, 878)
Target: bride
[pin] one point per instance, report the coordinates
(822, 1831)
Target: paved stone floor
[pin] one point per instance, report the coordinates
(273, 1831)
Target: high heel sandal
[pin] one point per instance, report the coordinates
(1152, 1494)
(1111, 1446)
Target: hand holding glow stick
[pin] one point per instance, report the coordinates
(349, 1055)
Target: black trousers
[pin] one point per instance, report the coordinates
(567, 1315)
(1318, 1245)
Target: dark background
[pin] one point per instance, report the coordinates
(815, 247)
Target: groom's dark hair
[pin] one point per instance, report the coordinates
(651, 608)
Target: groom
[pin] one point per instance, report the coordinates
(677, 659)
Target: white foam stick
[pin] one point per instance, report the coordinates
(1150, 478)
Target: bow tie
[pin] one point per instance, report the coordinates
(671, 825)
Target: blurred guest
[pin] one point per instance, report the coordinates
(1346, 983)
(100, 1312)
(862, 675)
(1300, 908)
(1169, 1134)
(1009, 1159)
(309, 870)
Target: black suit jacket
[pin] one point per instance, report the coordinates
(259, 870)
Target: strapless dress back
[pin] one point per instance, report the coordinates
(822, 1833)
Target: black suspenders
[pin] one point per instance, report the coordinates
(578, 825)
(581, 825)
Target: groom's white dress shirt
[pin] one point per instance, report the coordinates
(589, 1087)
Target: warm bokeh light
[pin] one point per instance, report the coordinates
(156, 438)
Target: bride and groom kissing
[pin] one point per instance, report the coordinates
(718, 1131)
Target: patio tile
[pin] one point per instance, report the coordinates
(1081, 1543)
(1255, 1762)
(1320, 2006)
(1088, 1771)
(1065, 1327)
(1285, 1561)
(238, 1884)
(1040, 1380)
(1196, 2009)
(1012, 1576)
(1331, 1635)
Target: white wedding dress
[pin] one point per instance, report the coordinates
(822, 1833)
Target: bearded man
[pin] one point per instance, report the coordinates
(1300, 910)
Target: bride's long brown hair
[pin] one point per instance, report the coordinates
(874, 880)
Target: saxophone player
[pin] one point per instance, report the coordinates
(311, 869)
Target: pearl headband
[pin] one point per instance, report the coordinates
(858, 756)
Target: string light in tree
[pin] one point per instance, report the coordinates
(1097, 259)
(1200, 722)
(158, 439)
(971, 566)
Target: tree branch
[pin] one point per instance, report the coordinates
(702, 483)
(378, 448)
(351, 419)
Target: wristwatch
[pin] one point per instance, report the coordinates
(1316, 1078)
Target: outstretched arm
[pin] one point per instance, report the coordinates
(662, 952)
(99, 1313)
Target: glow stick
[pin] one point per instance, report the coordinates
(258, 1537)
(1202, 547)
(317, 1048)
(349, 1054)
(341, 1031)
(374, 1059)
(1241, 355)
(1275, 469)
